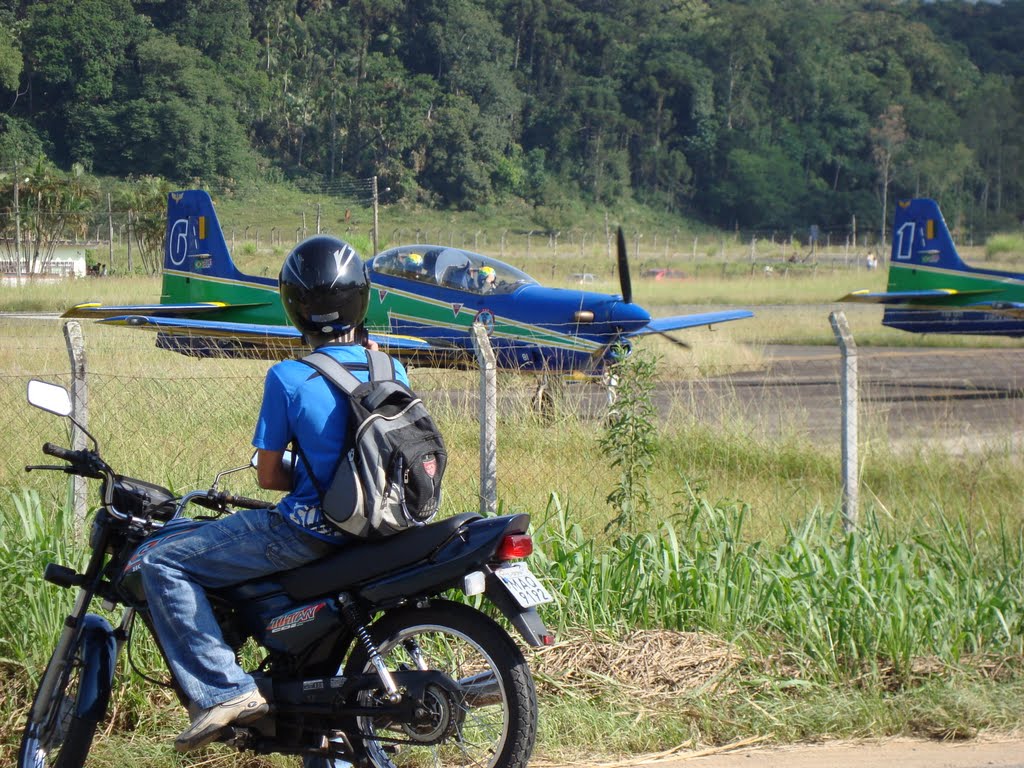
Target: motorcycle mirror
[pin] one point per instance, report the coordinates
(49, 397)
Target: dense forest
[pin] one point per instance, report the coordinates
(761, 115)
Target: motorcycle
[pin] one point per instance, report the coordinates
(363, 658)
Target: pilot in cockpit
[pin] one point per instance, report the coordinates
(411, 264)
(485, 277)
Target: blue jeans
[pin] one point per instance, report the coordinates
(240, 547)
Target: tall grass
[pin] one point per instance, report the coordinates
(824, 605)
(31, 535)
(815, 611)
(828, 606)
(49, 296)
(1004, 247)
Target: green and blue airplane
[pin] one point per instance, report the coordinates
(932, 290)
(424, 301)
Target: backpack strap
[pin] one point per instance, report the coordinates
(344, 380)
(381, 367)
(333, 371)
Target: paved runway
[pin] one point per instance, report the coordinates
(965, 396)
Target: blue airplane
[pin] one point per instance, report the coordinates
(932, 290)
(424, 300)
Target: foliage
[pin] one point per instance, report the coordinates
(32, 535)
(18, 140)
(11, 62)
(629, 439)
(145, 201)
(769, 115)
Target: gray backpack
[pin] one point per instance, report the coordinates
(389, 475)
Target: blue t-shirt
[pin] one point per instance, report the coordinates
(298, 403)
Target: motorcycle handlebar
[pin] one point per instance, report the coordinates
(220, 500)
(82, 463)
(61, 453)
(244, 501)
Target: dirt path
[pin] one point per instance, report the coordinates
(896, 753)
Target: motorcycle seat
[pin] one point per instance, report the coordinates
(361, 560)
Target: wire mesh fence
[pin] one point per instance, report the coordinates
(177, 421)
(120, 241)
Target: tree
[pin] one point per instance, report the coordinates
(886, 139)
(52, 206)
(991, 128)
(461, 45)
(19, 141)
(761, 189)
(178, 121)
(145, 200)
(74, 50)
(11, 61)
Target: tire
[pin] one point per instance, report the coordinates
(493, 723)
(59, 738)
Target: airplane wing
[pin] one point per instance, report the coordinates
(678, 322)
(95, 310)
(930, 296)
(278, 337)
(940, 299)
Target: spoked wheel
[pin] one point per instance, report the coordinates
(58, 736)
(488, 719)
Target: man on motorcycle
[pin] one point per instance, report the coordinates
(325, 292)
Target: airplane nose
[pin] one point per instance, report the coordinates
(628, 318)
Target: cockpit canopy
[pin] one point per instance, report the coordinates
(451, 268)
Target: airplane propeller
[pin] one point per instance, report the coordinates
(674, 340)
(627, 286)
(624, 281)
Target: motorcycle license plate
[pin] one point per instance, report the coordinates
(523, 585)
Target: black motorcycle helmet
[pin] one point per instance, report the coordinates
(324, 287)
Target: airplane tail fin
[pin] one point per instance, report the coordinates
(920, 236)
(195, 242)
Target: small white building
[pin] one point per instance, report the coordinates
(67, 261)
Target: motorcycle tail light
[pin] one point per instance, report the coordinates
(514, 547)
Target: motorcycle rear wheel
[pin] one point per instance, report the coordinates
(492, 724)
(59, 738)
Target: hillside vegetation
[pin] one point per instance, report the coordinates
(769, 116)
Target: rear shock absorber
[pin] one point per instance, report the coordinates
(353, 617)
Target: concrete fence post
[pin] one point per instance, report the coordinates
(488, 416)
(850, 404)
(75, 342)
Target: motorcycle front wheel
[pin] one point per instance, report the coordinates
(490, 722)
(59, 737)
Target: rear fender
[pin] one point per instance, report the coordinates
(527, 621)
(99, 659)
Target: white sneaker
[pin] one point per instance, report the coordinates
(208, 723)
